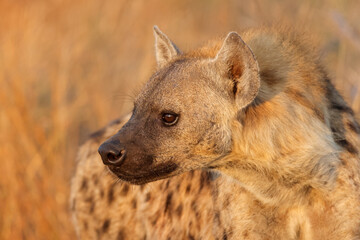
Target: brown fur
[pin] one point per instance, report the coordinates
(283, 154)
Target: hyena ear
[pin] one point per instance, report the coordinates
(236, 61)
(165, 50)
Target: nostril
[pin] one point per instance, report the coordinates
(116, 157)
(113, 157)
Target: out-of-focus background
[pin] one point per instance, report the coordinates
(68, 67)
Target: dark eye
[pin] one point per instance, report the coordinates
(169, 119)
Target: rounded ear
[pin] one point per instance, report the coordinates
(165, 49)
(236, 62)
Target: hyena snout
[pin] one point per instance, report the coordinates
(112, 152)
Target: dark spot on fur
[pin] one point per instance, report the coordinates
(340, 107)
(318, 113)
(168, 203)
(354, 126)
(245, 234)
(307, 189)
(227, 201)
(191, 237)
(195, 208)
(188, 188)
(105, 226)
(289, 181)
(86, 225)
(84, 185)
(147, 197)
(96, 136)
(124, 190)
(167, 184)
(179, 210)
(343, 161)
(348, 146)
(102, 193)
(338, 113)
(204, 180)
(153, 222)
(336, 102)
(92, 207)
(217, 217)
(110, 195)
(95, 179)
(235, 86)
(134, 203)
(229, 232)
(121, 235)
(225, 237)
(298, 233)
(194, 205)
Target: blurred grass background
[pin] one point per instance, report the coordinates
(69, 67)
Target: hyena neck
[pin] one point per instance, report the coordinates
(286, 159)
(273, 189)
(283, 159)
(287, 144)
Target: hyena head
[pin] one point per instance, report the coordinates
(182, 119)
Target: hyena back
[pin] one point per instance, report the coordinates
(260, 114)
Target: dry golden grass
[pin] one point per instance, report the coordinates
(69, 67)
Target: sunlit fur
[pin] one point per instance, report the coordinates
(289, 166)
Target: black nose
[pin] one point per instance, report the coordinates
(112, 153)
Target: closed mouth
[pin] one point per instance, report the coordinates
(152, 174)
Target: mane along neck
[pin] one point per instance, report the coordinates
(284, 147)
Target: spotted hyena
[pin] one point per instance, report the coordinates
(244, 138)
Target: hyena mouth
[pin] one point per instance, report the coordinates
(158, 172)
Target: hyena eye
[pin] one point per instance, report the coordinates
(169, 119)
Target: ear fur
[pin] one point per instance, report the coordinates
(236, 62)
(165, 49)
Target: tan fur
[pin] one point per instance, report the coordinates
(284, 156)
